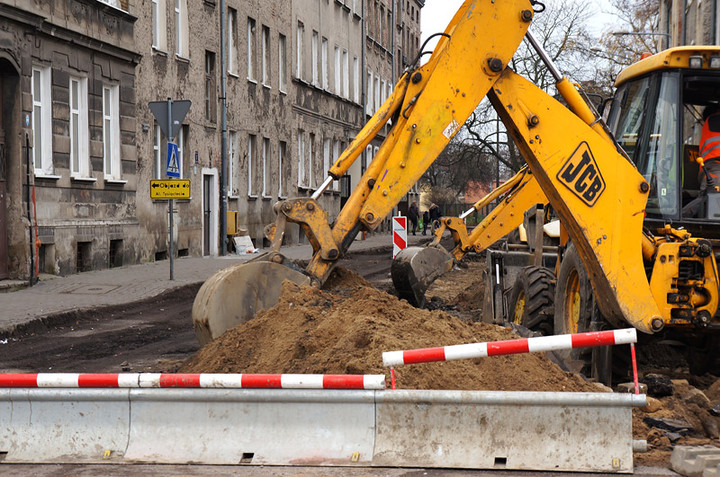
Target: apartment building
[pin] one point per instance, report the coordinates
(76, 78)
(68, 162)
(690, 22)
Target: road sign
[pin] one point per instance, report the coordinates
(173, 161)
(178, 111)
(170, 189)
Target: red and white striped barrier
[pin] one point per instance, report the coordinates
(496, 348)
(158, 380)
(399, 228)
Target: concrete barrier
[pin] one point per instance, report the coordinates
(60, 425)
(587, 432)
(409, 428)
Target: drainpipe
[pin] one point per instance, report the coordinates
(392, 43)
(223, 147)
(27, 200)
(363, 73)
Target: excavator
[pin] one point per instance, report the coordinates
(627, 254)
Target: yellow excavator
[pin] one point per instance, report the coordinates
(619, 201)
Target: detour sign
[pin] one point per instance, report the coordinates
(170, 189)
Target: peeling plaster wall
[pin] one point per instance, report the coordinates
(91, 40)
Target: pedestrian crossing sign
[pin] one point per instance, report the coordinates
(173, 161)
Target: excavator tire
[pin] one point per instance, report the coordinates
(531, 299)
(576, 312)
(574, 305)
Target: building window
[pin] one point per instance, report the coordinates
(376, 91)
(327, 143)
(232, 50)
(111, 132)
(324, 64)
(252, 165)
(42, 121)
(338, 72)
(383, 91)
(251, 49)
(337, 147)
(301, 159)
(159, 25)
(232, 163)
(356, 79)
(266, 167)
(157, 151)
(314, 64)
(266, 56)
(210, 90)
(282, 62)
(369, 92)
(299, 52)
(283, 170)
(310, 166)
(79, 145)
(346, 74)
(181, 27)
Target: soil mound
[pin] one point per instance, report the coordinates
(346, 329)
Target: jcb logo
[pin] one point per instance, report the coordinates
(581, 175)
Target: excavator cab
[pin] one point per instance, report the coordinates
(656, 117)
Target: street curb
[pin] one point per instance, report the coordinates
(40, 324)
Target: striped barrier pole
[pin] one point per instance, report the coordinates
(497, 348)
(204, 380)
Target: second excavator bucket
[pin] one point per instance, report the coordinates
(415, 268)
(235, 294)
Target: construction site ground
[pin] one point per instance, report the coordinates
(155, 334)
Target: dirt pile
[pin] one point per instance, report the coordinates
(346, 329)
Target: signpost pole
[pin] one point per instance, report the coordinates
(171, 202)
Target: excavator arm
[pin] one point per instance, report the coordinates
(596, 191)
(427, 108)
(415, 268)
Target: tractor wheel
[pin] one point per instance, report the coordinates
(531, 299)
(574, 307)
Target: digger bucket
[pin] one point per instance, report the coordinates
(235, 294)
(414, 269)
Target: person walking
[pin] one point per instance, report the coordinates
(426, 221)
(414, 215)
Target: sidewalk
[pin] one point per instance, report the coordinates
(116, 286)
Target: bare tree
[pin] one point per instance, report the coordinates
(622, 46)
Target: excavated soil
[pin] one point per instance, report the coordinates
(346, 329)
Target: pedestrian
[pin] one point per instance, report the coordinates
(435, 215)
(414, 215)
(709, 151)
(426, 221)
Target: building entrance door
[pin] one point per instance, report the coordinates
(207, 212)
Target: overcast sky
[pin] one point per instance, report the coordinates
(436, 14)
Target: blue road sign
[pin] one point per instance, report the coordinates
(173, 161)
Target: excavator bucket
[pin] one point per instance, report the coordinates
(235, 294)
(414, 269)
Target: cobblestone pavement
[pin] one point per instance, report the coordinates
(54, 295)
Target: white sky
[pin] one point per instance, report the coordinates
(436, 14)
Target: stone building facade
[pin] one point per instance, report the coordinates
(690, 22)
(77, 77)
(69, 162)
